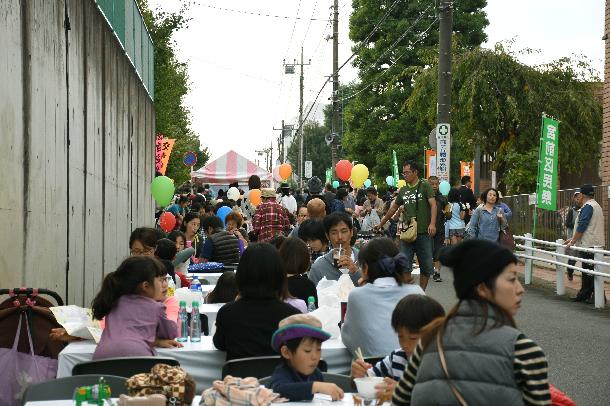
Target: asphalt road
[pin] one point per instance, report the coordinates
(575, 338)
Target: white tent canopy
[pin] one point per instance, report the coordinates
(229, 168)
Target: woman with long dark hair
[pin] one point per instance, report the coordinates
(488, 219)
(476, 355)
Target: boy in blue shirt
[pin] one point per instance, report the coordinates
(410, 315)
(299, 341)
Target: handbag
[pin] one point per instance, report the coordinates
(408, 234)
(506, 239)
(173, 382)
(21, 370)
(441, 355)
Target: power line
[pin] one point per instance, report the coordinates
(315, 6)
(372, 82)
(259, 14)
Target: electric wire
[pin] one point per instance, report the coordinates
(260, 14)
(372, 82)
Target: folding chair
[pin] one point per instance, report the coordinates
(258, 367)
(122, 366)
(63, 388)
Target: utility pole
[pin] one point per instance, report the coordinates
(290, 69)
(280, 142)
(334, 146)
(443, 107)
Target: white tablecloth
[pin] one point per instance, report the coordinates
(202, 360)
(211, 277)
(318, 400)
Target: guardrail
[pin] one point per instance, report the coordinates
(561, 263)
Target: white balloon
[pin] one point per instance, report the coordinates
(233, 193)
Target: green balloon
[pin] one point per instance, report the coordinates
(335, 184)
(162, 189)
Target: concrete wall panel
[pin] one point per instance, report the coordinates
(75, 147)
(12, 143)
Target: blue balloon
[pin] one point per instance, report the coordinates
(222, 213)
(444, 188)
(367, 183)
(389, 180)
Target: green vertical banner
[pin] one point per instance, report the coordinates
(329, 175)
(395, 168)
(548, 165)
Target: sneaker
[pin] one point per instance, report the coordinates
(437, 277)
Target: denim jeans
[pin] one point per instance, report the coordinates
(423, 248)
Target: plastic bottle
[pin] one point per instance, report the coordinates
(311, 304)
(171, 285)
(195, 284)
(183, 323)
(195, 323)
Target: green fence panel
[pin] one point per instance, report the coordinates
(128, 25)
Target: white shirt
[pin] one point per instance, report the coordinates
(289, 203)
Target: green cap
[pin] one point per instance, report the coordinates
(183, 303)
(195, 303)
(311, 299)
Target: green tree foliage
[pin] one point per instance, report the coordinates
(171, 85)
(388, 59)
(314, 149)
(498, 102)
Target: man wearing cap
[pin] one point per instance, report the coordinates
(588, 233)
(270, 219)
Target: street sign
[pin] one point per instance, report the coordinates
(443, 151)
(308, 169)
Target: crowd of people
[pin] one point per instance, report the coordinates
(287, 244)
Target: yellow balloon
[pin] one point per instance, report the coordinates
(401, 183)
(360, 173)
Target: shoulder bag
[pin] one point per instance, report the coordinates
(441, 355)
(408, 233)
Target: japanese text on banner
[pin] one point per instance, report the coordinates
(546, 194)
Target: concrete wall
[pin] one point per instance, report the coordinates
(77, 136)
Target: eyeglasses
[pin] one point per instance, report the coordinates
(147, 250)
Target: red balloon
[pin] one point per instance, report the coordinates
(167, 221)
(344, 169)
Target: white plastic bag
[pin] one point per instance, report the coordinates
(330, 318)
(370, 221)
(328, 293)
(345, 287)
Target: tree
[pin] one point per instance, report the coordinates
(393, 41)
(498, 102)
(172, 118)
(314, 149)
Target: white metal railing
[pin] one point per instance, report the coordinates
(561, 263)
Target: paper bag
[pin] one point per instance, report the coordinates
(78, 322)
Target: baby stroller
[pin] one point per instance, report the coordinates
(41, 320)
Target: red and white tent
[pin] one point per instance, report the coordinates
(229, 168)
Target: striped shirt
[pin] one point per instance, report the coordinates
(530, 366)
(392, 366)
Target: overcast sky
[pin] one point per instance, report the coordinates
(239, 91)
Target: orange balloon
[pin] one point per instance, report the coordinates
(255, 197)
(285, 171)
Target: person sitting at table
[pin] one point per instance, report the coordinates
(312, 233)
(299, 341)
(129, 302)
(190, 228)
(181, 259)
(295, 256)
(233, 224)
(369, 308)
(220, 246)
(245, 326)
(339, 231)
(411, 314)
(225, 290)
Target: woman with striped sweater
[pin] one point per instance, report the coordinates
(475, 355)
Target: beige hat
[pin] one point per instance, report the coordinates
(268, 193)
(298, 326)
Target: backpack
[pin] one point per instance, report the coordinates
(173, 382)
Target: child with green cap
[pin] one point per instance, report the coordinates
(299, 341)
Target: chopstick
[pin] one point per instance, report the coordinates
(359, 353)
